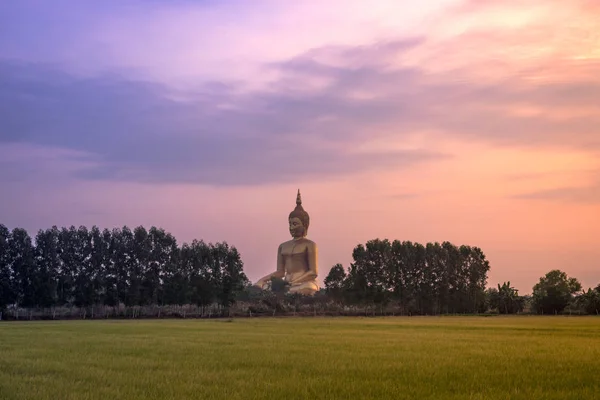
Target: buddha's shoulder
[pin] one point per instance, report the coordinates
(304, 241)
(308, 242)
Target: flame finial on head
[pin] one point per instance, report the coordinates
(299, 212)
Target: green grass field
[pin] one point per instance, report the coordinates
(303, 358)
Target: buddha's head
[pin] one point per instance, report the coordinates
(299, 220)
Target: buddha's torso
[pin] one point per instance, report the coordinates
(294, 254)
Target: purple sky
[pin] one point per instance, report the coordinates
(476, 122)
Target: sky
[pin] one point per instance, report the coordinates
(470, 121)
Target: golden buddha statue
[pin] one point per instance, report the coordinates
(296, 258)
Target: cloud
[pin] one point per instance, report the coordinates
(181, 42)
(142, 131)
(514, 111)
(314, 118)
(589, 194)
(136, 131)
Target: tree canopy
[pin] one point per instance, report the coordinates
(553, 293)
(425, 279)
(81, 267)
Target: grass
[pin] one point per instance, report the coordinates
(303, 358)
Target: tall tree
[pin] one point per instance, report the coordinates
(84, 290)
(99, 258)
(7, 289)
(163, 254)
(48, 264)
(369, 277)
(416, 268)
(203, 274)
(554, 292)
(477, 267)
(334, 282)
(22, 260)
(400, 272)
(139, 265)
(113, 270)
(422, 281)
(180, 278)
(456, 284)
(127, 267)
(436, 288)
(67, 271)
(230, 279)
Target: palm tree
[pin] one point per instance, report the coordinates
(509, 301)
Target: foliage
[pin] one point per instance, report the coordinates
(334, 282)
(505, 299)
(81, 267)
(553, 293)
(589, 301)
(7, 294)
(431, 279)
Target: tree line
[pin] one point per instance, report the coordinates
(555, 293)
(83, 267)
(419, 279)
(147, 269)
(445, 279)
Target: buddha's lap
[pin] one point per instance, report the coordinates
(305, 285)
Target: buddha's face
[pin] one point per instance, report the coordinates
(296, 228)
